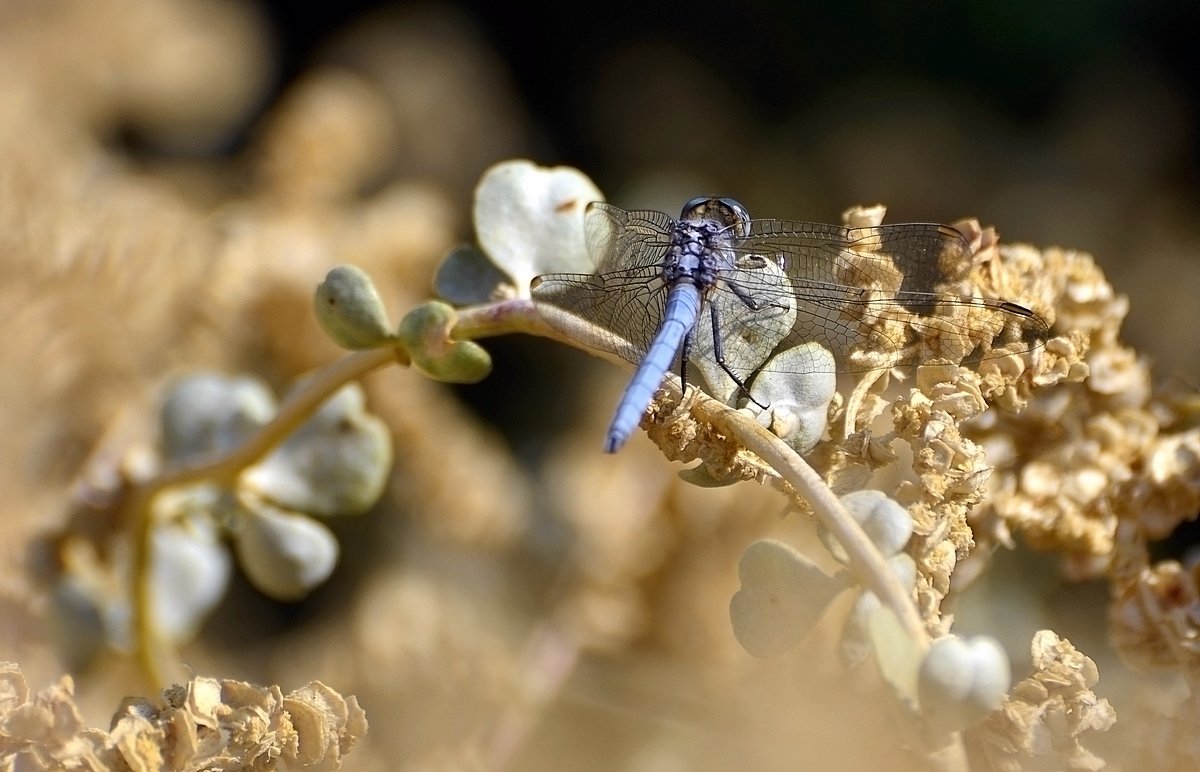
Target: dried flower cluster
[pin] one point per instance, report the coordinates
(951, 470)
(1048, 713)
(206, 724)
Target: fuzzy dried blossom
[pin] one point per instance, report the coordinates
(1074, 444)
(205, 724)
(951, 471)
(1165, 492)
(1155, 607)
(1042, 724)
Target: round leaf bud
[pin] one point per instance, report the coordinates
(336, 463)
(209, 413)
(284, 555)
(190, 571)
(348, 308)
(425, 334)
(962, 681)
(887, 524)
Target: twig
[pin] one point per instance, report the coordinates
(865, 561)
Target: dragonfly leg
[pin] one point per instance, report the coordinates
(719, 355)
(742, 295)
(690, 396)
(748, 299)
(684, 353)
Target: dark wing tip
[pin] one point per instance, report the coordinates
(1019, 310)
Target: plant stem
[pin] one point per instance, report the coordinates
(865, 561)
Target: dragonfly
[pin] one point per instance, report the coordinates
(725, 293)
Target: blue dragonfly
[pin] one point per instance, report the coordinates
(724, 293)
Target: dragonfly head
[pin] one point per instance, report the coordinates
(725, 211)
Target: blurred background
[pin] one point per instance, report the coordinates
(175, 177)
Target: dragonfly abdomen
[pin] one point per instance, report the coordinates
(682, 310)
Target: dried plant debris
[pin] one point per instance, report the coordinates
(1046, 716)
(1154, 614)
(206, 724)
(1071, 448)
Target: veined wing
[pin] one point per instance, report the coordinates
(878, 296)
(750, 312)
(624, 299)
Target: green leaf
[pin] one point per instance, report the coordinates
(425, 335)
(350, 311)
(466, 277)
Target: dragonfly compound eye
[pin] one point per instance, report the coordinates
(696, 208)
(725, 211)
(736, 215)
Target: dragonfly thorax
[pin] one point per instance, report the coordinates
(698, 254)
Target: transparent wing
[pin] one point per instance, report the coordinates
(875, 297)
(749, 315)
(624, 299)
